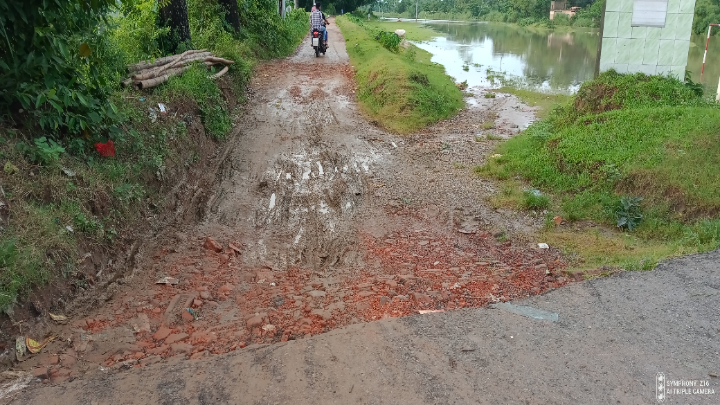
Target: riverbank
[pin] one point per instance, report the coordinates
(398, 86)
(619, 177)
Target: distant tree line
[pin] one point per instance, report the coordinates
(523, 12)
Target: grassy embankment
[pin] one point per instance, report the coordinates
(398, 86)
(622, 137)
(65, 210)
(413, 31)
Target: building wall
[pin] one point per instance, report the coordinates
(557, 5)
(649, 50)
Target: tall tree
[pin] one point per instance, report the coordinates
(232, 17)
(174, 14)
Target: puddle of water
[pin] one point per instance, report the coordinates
(529, 312)
(486, 54)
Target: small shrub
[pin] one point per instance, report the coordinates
(419, 78)
(45, 151)
(196, 84)
(535, 200)
(524, 22)
(390, 40)
(627, 212)
(85, 224)
(697, 88)
(8, 253)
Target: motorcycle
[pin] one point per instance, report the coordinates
(317, 43)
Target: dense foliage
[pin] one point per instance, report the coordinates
(706, 12)
(56, 65)
(523, 12)
(60, 61)
(83, 161)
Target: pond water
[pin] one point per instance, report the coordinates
(485, 54)
(489, 54)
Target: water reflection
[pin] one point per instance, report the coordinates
(712, 64)
(539, 60)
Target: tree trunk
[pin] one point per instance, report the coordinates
(297, 3)
(232, 16)
(175, 16)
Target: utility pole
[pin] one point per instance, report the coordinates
(416, 7)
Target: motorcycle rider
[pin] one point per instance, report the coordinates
(318, 21)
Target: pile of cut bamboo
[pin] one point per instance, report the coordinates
(145, 75)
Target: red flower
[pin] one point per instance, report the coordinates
(105, 149)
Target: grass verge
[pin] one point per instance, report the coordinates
(544, 102)
(634, 152)
(413, 31)
(401, 90)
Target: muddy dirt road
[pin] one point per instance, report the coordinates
(319, 224)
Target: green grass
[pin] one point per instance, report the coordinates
(544, 102)
(534, 200)
(594, 247)
(196, 85)
(401, 91)
(413, 31)
(626, 135)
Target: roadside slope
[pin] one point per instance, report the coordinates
(398, 86)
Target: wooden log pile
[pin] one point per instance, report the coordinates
(146, 74)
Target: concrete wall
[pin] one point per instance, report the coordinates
(649, 50)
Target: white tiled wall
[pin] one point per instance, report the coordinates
(648, 50)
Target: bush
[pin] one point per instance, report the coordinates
(390, 40)
(419, 78)
(614, 91)
(589, 16)
(274, 35)
(535, 200)
(628, 213)
(196, 85)
(59, 68)
(135, 32)
(562, 20)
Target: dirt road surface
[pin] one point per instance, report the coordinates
(338, 264)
